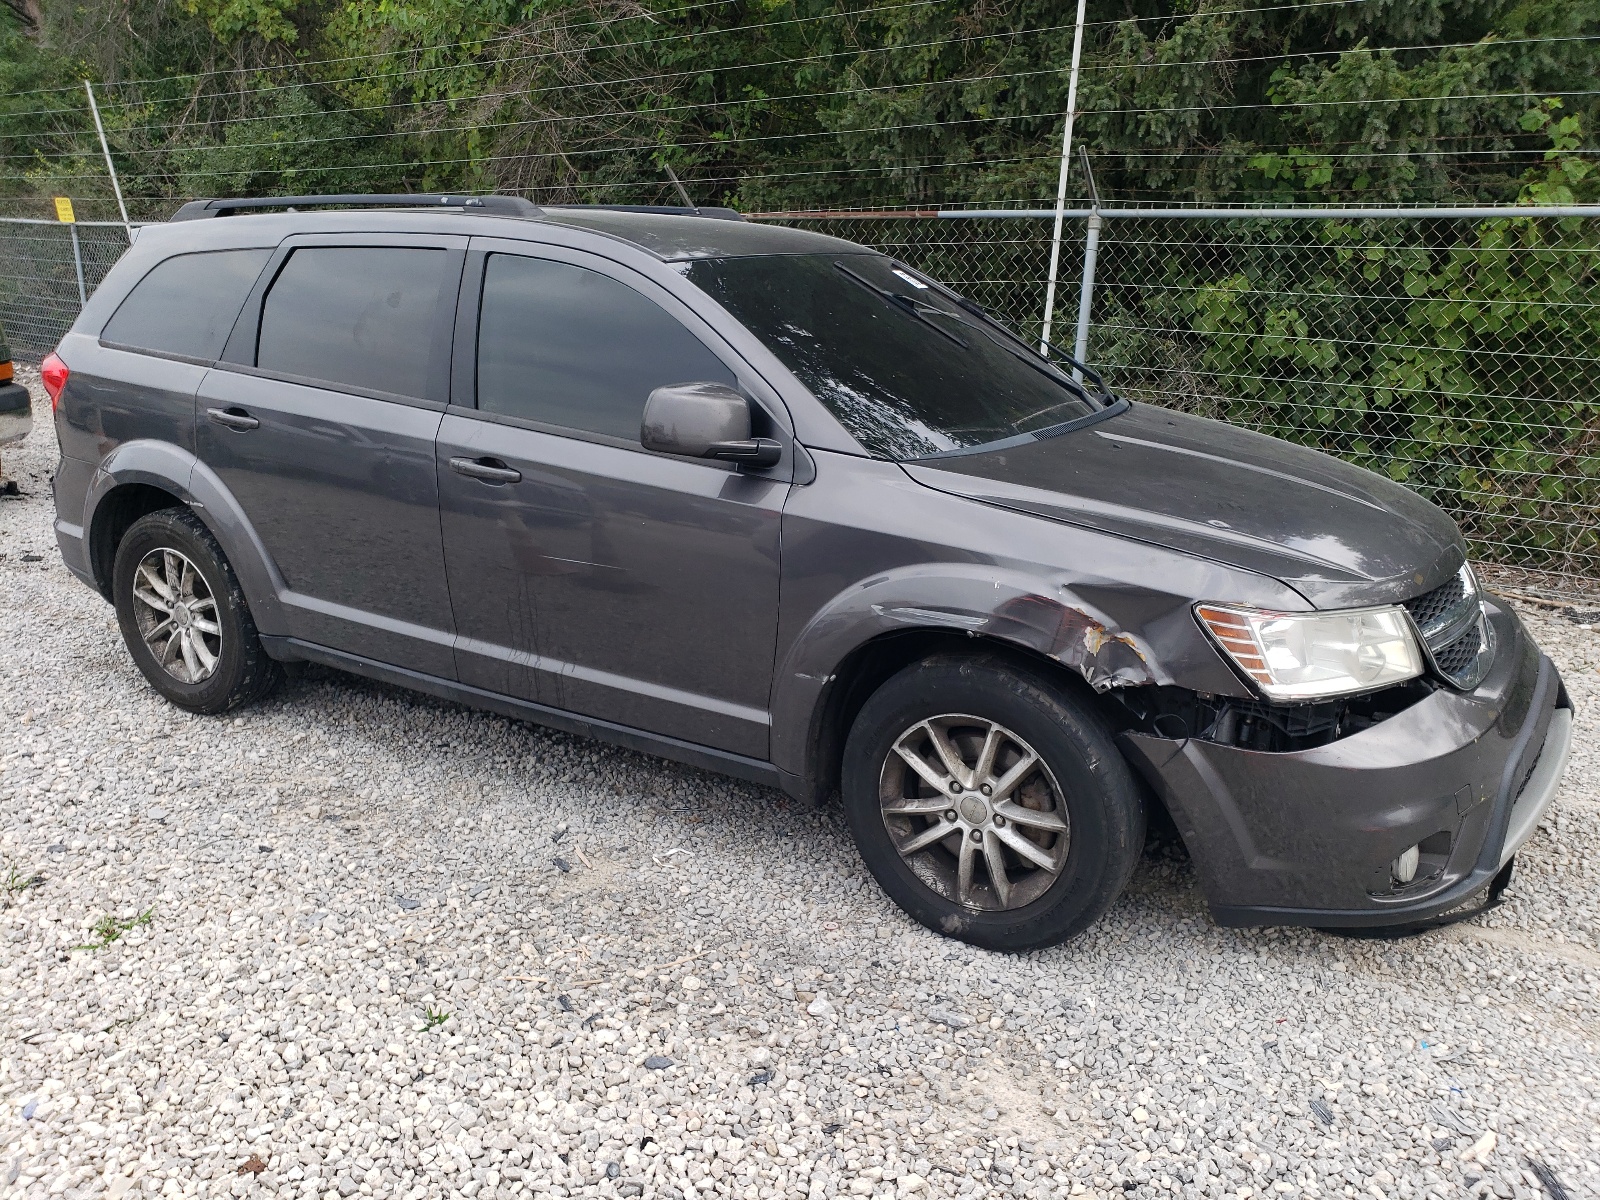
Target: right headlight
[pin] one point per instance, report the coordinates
(1315, 655)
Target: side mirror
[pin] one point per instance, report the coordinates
(704, 420)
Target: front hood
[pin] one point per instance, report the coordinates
(1339, 535)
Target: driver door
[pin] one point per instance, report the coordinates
(585, 572)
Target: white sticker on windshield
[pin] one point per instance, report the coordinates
(911, 279)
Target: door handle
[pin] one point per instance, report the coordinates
(233, 418)
(485, 469)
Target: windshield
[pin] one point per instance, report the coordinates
(906, 370)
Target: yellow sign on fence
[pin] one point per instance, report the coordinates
(64, 210)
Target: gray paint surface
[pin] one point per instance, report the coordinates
(1339, 535)
(341, 490)
(636, 588)
(712, 614)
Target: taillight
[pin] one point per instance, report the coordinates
(5, 372)
(53, 374)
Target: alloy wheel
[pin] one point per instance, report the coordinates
(975, 812)
(177, 615)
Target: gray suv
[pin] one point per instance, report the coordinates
(779, 506)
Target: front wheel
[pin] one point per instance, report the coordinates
(184, 617)
(990, 804)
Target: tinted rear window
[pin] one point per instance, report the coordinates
(905, 369)
(355, 316)
(187, 305)
(567, 346)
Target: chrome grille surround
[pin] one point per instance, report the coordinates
(1455, 629)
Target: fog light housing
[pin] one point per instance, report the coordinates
(1404, 868)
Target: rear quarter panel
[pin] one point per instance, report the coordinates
(115, 396)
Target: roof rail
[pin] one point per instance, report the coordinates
(501, 206)
(671, 210)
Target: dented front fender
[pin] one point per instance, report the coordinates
(875, 554)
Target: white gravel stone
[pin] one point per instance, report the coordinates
(319, 948)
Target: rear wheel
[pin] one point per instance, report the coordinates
(183, 616)
(990, 804)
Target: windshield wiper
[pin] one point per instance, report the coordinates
(906, 304)
(1016, 346)
(1002, 337)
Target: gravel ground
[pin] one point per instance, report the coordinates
(356, 941)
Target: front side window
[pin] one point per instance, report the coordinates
(905, 369)
(187, 305)
(355, 316)
(566, 346)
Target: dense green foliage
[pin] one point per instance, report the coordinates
(795, 103)
(1452, 355)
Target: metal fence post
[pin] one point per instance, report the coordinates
(111, 167)
(1061, 185)
(77, 262)
(1091, 251)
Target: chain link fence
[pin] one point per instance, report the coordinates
(1456, 355)
(39, 266)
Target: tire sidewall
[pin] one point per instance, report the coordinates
(171, 529)
(1104, 807)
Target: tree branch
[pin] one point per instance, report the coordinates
(26, 11)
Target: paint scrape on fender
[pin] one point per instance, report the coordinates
(1105, 658)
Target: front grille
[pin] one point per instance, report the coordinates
(1458, 658)
(1427, 610)
(1453, 626)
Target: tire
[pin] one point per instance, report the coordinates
(1068, 877)
(225, 665)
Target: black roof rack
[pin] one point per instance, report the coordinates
(671, 210)
(500, 206)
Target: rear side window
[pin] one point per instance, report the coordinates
(187, 305)
(566, 346)
(355, 316)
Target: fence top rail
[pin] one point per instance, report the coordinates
(53, 221)
(1223, 213)
(1471, 212)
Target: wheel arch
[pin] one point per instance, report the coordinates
(871, 623)
(113, 515)
(141, 477)
(870, 665)
(136, 478)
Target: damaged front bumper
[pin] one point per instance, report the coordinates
(1308, 837)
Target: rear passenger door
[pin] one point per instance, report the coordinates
(321, 419)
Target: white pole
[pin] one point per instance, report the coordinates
(1061, 184)
(110, 166)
